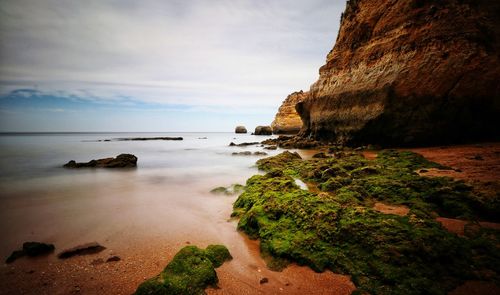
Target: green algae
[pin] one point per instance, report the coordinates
(190, 272)
(228, 191)
(337, 228)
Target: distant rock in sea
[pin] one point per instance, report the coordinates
(121, 161)
(148, 138)
(240, 129)
(263, 130)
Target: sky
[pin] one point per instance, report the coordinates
(159, 66)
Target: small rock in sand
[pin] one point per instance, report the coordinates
(113, 258)
(85, 249)
(264, 280)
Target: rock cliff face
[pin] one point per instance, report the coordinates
(409, 72)
(287, 120)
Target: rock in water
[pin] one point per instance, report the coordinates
(263, 130)
(240, 129)
(287, 120)
(409, 72)
(121, 161)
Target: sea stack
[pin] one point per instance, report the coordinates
(287, 120)
(409, 73)
(240, 129)
(263, 130)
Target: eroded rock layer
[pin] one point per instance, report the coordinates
(287, 120)
(409, 72)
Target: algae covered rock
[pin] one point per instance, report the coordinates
(228, 191)
(337, 228)
(190, 272)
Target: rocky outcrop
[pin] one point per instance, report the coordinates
(287, 120)
(240, 129)
(263, 130)
(409, 72)
(121, 161)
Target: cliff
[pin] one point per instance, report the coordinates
(287, 120)
(409, 72)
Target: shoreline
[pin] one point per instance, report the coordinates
(144, 257)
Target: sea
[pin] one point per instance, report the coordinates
(167, 194)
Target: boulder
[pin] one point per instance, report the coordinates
(263, 130)
(240, 129)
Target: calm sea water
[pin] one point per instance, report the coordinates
(167, 195)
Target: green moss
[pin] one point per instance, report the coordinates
(218, 254)
(190, 272)
(337, 229)
(230, 190)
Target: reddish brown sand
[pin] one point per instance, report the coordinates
(391, 209)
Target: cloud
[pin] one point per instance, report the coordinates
(221, 53)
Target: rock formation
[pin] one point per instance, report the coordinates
(240, 129)
(263, 130)
(287, 120)
(409, 72)
(121, 161)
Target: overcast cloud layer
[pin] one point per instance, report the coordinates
(205, 57)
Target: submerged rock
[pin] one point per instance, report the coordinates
(148, 138)
(263, 130)
(230, 190)
(240, 129)
(31, 249)
(248, 153)
(243, 143)
(190, 272)
(85, 249)
(121, 161)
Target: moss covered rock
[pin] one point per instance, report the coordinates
(190, 272)
(338, 229)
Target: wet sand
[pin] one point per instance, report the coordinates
(144, 255)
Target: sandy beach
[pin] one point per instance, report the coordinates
(135, 222)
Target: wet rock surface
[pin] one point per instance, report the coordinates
(31, 249)
(121, 161)
(84, 249)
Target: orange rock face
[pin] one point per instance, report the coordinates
(409, 72)
(287, 120)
